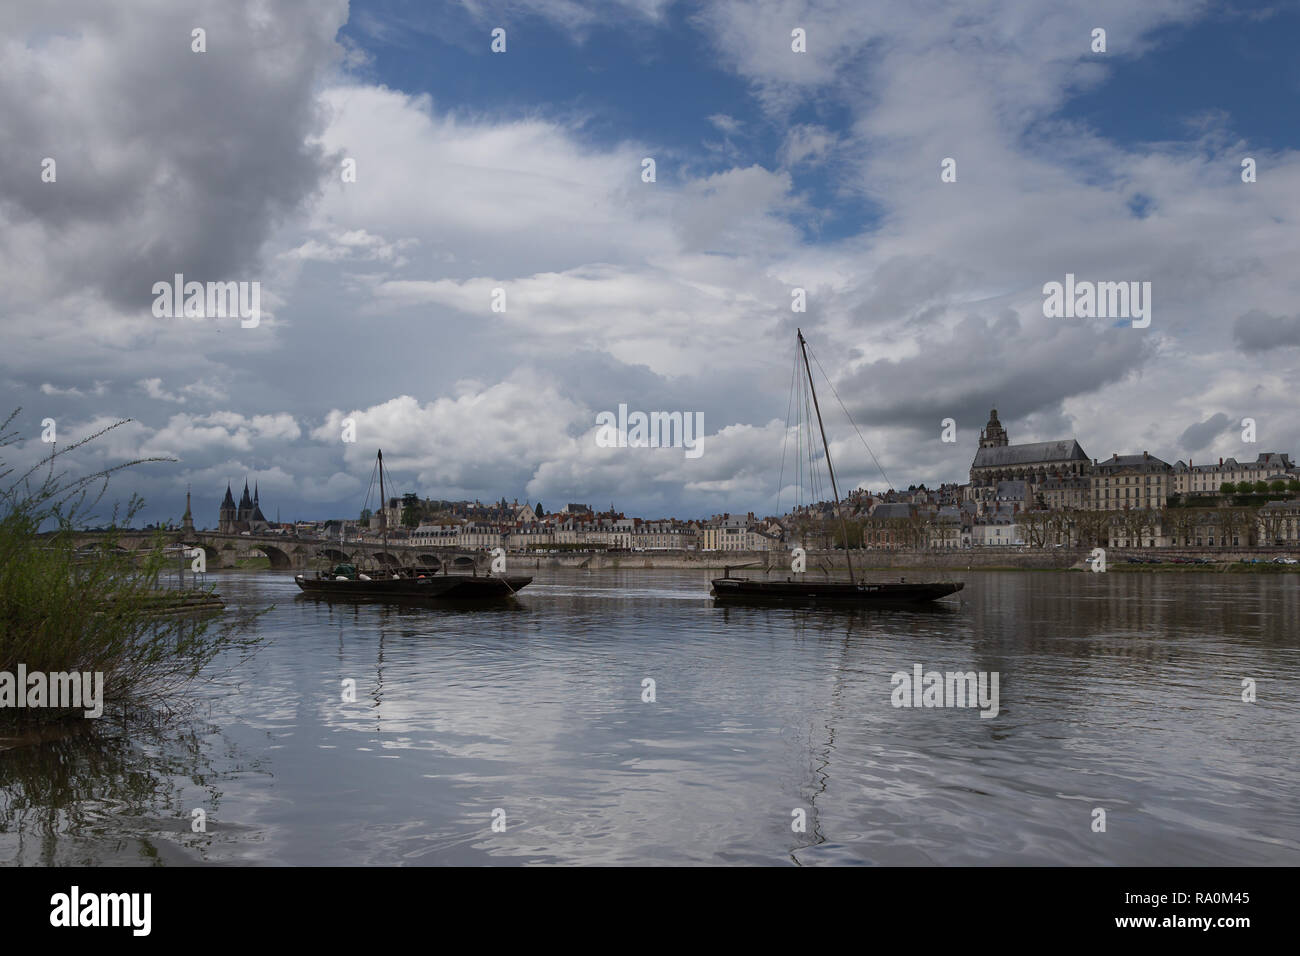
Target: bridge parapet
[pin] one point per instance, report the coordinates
(290, 551)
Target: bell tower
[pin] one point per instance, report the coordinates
(993, 435)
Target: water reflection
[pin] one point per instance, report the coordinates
(115, 791)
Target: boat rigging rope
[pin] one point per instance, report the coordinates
(799, 416)
(789, 405)
(888, 484)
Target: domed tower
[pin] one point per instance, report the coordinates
(994, 435)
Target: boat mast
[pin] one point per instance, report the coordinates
(383, 504)
(848, 557)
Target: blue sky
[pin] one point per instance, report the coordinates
(1245, 68)
(660, 84)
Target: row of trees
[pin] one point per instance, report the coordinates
(1276, 486)
(1185, 525)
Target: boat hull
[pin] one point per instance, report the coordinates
(440, 587)
(741, 591)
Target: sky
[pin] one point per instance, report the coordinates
(522, 171)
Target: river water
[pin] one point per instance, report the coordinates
(772, 737)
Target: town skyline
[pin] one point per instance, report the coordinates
(1059, 476)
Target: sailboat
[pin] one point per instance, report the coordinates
(738, 590)
(348, 582)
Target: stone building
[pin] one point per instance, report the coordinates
(1131, 481)
(246, 516)
(1064, 494)
(892, 526)
(728, 532)
(1279, 524)
(1205, 479)
(1034, 463)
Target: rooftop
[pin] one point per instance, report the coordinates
(1029, 454)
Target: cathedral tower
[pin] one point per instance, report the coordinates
(994, 435)
(245, 512)
(226, 516)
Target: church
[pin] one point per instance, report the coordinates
(1040, 465)
(247, 516)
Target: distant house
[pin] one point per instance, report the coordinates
(891, 526)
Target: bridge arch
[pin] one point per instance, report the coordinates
(280, 559)
(428, 560)
(387, 558)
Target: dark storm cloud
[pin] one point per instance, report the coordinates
(1258, 331)
(1197, 436)
(1021, 369)
(168, 160)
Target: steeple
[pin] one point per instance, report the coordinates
(187, 521)
(254, 492)
(227, 515)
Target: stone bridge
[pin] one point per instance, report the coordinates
(287, 552)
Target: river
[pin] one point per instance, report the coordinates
(772, 737)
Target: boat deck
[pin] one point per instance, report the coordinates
(829, 592)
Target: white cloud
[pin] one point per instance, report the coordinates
(726, 124)
(807, 143)
(99, 389)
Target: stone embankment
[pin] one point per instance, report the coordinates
(1059, 559)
